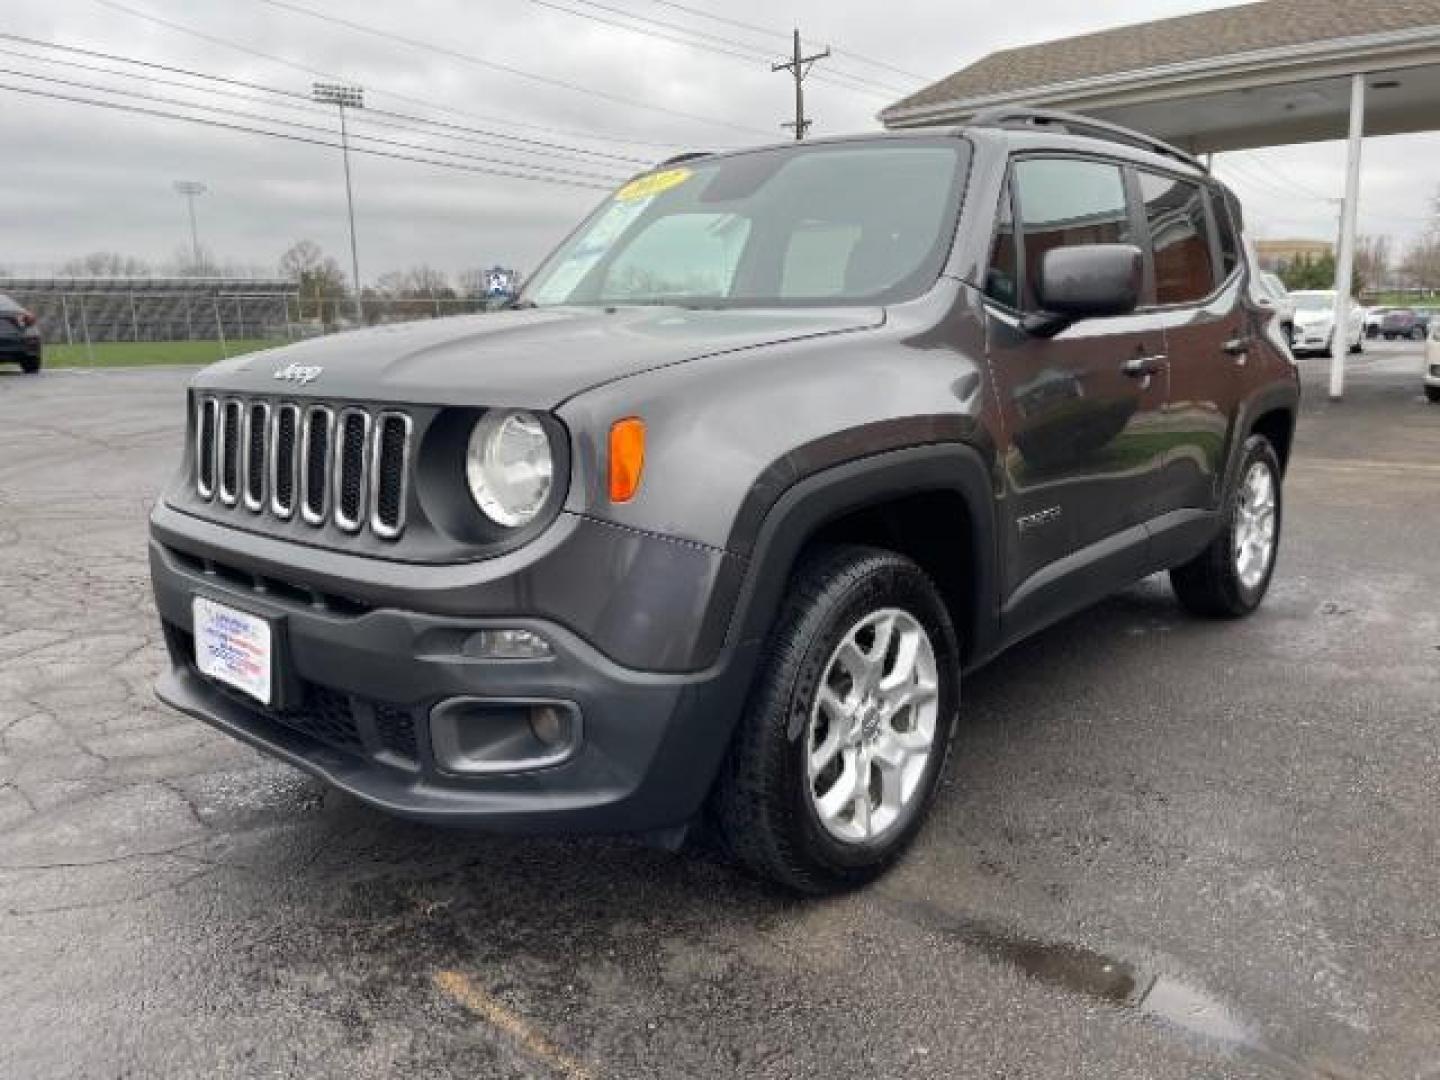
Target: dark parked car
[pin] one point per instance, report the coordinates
(1405, 323)
(19, 336)
(778, 444)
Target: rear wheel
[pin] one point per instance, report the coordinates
(1231, 576)
(848, 727)
(30, 367)
(1433, 393)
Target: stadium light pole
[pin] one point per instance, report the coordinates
(343, 97)
(190, 189)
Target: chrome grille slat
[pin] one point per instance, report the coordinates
(341, 465)
(390, 474)
(257, 443)
(284, 448)
(231, 423)
(316, 446)
(352, 438)
(206, 421)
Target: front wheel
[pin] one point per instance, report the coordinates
(848, 726)
(30, 367)
(1417, 334)
(1433, 393)
(1231, 576)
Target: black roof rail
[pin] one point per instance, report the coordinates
(680, 159)
(1011, 116)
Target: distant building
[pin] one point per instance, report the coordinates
(1278, 254)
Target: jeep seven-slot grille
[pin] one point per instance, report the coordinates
(345, 465)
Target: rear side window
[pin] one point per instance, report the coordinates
(1179, 237)
(1065, 202)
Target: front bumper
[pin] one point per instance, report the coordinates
(358, 687)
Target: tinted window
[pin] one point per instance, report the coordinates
(1065, 203)
(807, 224)
(1002, 279)
(1225, 223)
(1175, 210)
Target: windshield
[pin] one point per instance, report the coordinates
(829, 224)
(1314, 301)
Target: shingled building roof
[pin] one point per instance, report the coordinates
(1228, 31)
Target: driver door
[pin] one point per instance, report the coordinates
(1081, 460)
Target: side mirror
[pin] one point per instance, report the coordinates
(1089, 281)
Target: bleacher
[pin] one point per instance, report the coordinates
(157, 309)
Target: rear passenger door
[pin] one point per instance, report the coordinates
(1196, 269)
(1080, 462)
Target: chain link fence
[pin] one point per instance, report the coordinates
(103, 321)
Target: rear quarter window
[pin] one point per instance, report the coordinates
(1179, 238)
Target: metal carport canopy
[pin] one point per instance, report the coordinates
(1263, 74)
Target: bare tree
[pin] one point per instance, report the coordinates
(1372, 263)
(321, 282)
(1421, 267)
(105, 264)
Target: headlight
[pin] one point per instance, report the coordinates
(510, 467)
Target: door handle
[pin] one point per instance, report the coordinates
(1237, 346)
(1142, 367)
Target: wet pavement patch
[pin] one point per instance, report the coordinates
(1084, 971)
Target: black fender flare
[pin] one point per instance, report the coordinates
(807, 505)
(1282, 397)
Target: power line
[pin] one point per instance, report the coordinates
(300, 103)
(225, 125)
(181, 28)
(727, 46)
(241, 114)
(455, 54)
(772, 32)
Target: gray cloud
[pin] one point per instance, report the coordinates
(78, 179)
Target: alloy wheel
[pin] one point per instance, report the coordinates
(872, 726)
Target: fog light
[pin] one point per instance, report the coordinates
(552, 726)
(475, 736)
(512, 645)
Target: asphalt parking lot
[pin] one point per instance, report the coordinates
(1165, 848)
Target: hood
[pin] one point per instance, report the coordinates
(532, 359)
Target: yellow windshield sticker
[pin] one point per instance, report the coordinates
(647, 186)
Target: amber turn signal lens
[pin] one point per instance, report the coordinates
(627, 458)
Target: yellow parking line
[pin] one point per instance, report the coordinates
(1366, 465)
(475, 1000)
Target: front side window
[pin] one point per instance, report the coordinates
(1066, 202)
(824, 224)
(1002, 277)
(1179, 237)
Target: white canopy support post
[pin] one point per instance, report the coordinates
(1345, 266)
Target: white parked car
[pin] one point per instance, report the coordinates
(1275, 296)
(1314, 323)
(1432, 363)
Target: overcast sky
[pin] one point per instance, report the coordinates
(78, 178)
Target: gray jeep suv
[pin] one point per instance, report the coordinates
(774, 448)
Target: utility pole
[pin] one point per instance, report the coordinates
(799, 66)
(190, 189)
(353, 97)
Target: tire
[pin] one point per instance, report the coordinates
(1213, 584)
(1433, 393)
(1358, 347)
(766, 809)
(1417, 334)
(30, 367)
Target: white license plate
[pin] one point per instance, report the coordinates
(233, 647)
